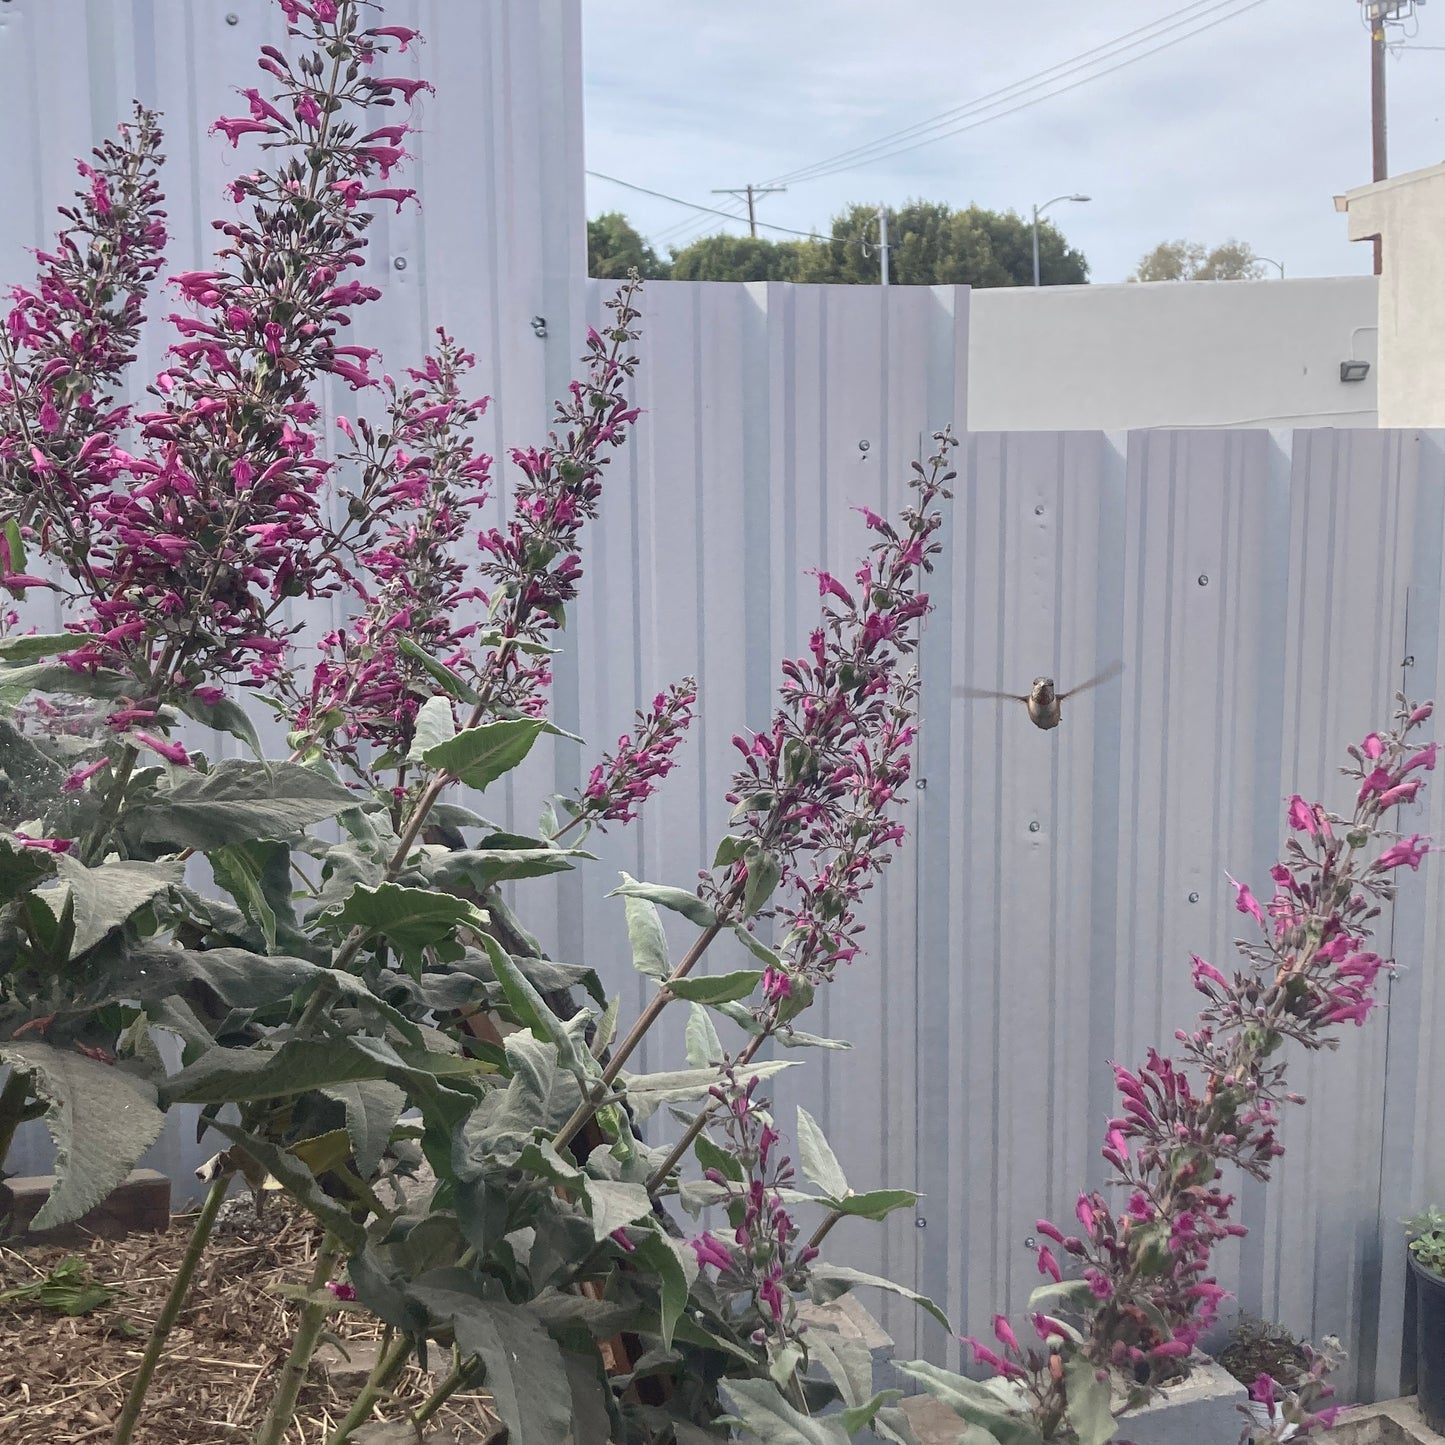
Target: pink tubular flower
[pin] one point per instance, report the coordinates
(1409, 851)
(341, 1290)
(1003, 1331)
(78, 779)
(1246, 901)
(48, 845)
(171, 752)
(709, 1251)
(1048, 1264)
(1302, 815)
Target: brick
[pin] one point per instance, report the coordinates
(142, 1203)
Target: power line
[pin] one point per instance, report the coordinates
(693, 205)
(1043, 80)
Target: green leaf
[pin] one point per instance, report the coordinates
(755, 946)
(530, 1010)
(434, 726)
(783, 1362)
(704, 1048)
(298, 1181)
(715, 988)
(525, 1374)
(876, 1204)
(646, 1093)
(848, 1361)
(451, 683)
(14, 544)
(649, 942)
(100, 1118)
(1089, 1399)
(977, 1404)
(27, 649)
(236, 802)
(730, 849)
(372, 1108)
(224, 715)
(235, 1076)
(679, 900)
(714, 1156)
(479, 756)
(676, 1268)
(859, 1417)
(797, 1039)
(21, 868)
(1070, 1295)
(240, 869)
(820, 1165)
(831, 1281)
(20, 678)
(410, 919)
(764, 874)
(613, 1204)
(483, 868)
(105, 897)
(770, 1420)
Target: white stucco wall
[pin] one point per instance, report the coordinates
(1408, 213)
(1173, 354)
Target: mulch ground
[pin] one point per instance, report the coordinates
(63, 1379)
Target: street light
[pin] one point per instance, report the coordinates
(1038, 211)
(1268, 262)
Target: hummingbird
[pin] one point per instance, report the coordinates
(1041, 699)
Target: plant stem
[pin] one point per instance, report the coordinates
(699, 1123)
(92, 849)
(645, 1020)
(12, 1108)
(175, 1301)
(385, 1370)
(443, 1392)
(298, 1362)
(821, 1232)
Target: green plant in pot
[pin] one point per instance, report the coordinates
(1426, 1255)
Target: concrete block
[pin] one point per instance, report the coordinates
(1201, 1409)
(1391, 1422)
(142, 1203)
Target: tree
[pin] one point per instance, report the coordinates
(615, 247)
(1189, 261)
(929, 242)
(737, 258)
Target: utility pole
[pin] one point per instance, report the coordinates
(750, 191)
(883, 242)
(1377, 14)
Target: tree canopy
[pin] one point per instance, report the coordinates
(1190, 261)
(930, 243)
(614, 248)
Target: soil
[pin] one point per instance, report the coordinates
(63, 1379)
(1257, 1348)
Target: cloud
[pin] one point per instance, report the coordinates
(1245, 130)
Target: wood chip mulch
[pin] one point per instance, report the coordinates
(63, 1380)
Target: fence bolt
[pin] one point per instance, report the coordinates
(399, 264)
(1034, 826)
(920, 1223)
(1194, 898)
(1204, 579)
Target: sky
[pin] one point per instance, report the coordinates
(1245, 129)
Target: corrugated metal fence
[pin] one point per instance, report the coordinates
(1268, 593)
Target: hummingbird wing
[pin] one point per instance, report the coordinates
(985, 692)
(1113, 670)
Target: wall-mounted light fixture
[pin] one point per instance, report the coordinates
(539, 325)
(1354, 370)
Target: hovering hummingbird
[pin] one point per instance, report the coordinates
(1041, 699)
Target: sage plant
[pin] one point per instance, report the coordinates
(1143, 1294)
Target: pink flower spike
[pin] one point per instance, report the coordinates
(171, 752)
